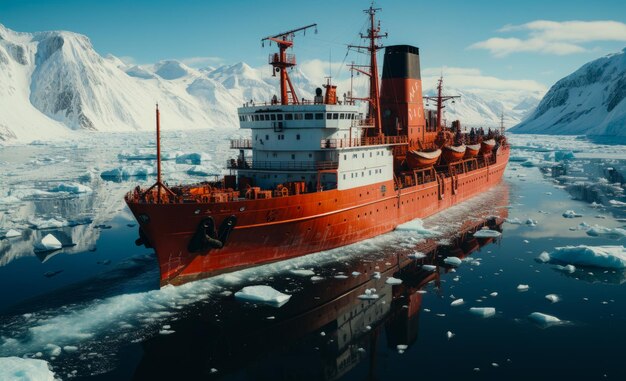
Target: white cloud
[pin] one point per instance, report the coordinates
(474, 79)
(552, 37)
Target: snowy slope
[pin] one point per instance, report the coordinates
(589, 101)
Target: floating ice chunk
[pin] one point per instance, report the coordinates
(544, 319)
(341, 276)
(199, 170)
(553, 298)
(53, 350)
(457, 302)
(514, 221)
(493, 294)
(449, 335)
(619, 204)
(393, 281)
(417, 255)
(483, 311)
(302, 272)
(23, 369)
(71, 188)
(486, 233)
(12, 233)
(193, 158)
(417, 225)
(49, 242)
(356, 273)
(401, 348)
(543, 257)
(452, 261)
(52, 223)
(166, 332)
(263, 294)
(598, 256)
(568, 268)
(376, 275)
(526, 241)
(9, 200)
(70, 348)
(522, 287)
(370, 294)
(571, 214)
(429, 267)
(601, 231)
(316, 278)
(531, 222)
(127, 171)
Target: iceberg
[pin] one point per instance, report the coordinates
(457, 302)
(12, 233)
(263, 294)
(522, 287)
(127, 171)
(571, 214)
(25, 369)
(195, 158)
(553, 298)
(483, 311)
(601, 231)
(47, 243)
(597, 256)
(393, 281)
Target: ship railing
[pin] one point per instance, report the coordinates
(364, 123)
(241, 144)
(275, 58)
(282, 165)
(363, 141)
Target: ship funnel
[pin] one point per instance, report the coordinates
(402, 108)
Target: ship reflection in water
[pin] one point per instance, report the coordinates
(325, 331)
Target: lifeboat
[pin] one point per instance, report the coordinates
(422, 159)
(471, 150)
(452, 154)
(487, 145)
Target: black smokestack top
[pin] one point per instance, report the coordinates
(402, 61)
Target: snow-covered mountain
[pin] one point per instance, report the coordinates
(589, 101)
(54, 83)
(483, 108)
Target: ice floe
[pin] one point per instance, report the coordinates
(51, 223)
(71, 188)
(417, 225)
(522, 287)
(449, 335)
(417, 255)
(554, 298)
(571, 214)
(429, 267)
(302, 272)
(193, 158)
(128, 171)
(452, 261)
(12, 233)
(483, 311)
(49, 242)
(263, 294)
(457, 302)
(544, 319)
(24, 369)
(601, 231)
(597, 256)
(486, 233)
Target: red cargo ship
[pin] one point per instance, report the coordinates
(320, 174)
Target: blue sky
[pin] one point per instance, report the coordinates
(501, 40)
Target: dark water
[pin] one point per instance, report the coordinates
(100, 303)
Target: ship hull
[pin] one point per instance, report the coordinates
(275, 229)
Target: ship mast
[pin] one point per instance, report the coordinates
(440, 99)
(159, 184)
(373, 35)
(281, 61)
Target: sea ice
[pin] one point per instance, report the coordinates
(531, 222)
(453, 261)
(493, 294)
(40, 223)
(12, 233)
(601, 231)
(24, 369)
(417, 225)
(127, 171)
(49, 242)
(571, 214)
(376, 275)
(71, 188)
(553, 298)
(401, 348)
(302, 272)
(598, 256)
(429, 267)
(449, 335)
(393, 281)
(356, 273)
(199, 170)
(483, 311)
(457, 302)
(193, 158)
(263, 294)
(486, 233)
(514, 221)
(522, 287)
(544, 319)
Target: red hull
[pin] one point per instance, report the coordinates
(279, 228)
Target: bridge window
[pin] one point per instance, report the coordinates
(293, 156)
(267, 137)
(335, 115)
(288, 116)
(297, 116)
(341, 116)
(266, 117)
(329, 116)
(256, 118)
(319, 116)
(344, 176)
(298, 137)
(279, 116)
(273, 117)
(308, 116)
(345, 157)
